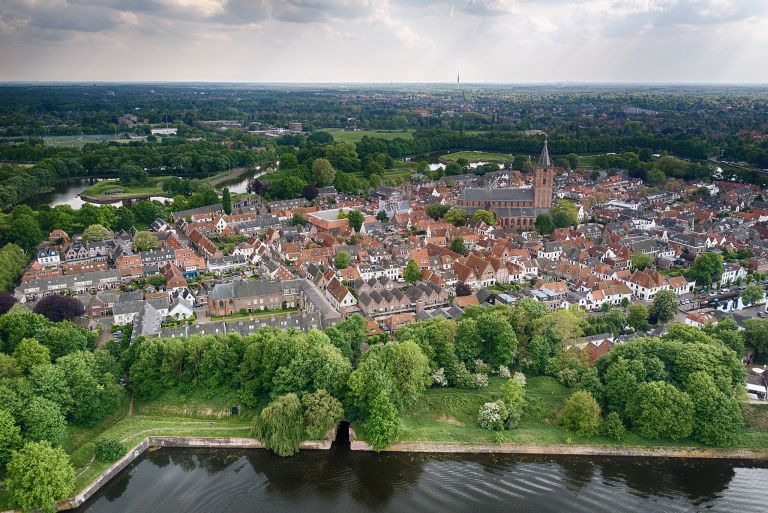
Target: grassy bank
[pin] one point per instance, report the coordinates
(172, 414)
(341, 135)
(477, 156)
(153, 188)
(450, 415)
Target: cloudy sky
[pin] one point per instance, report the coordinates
(385, 40)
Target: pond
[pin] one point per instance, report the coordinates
(240, 481)
(68, 193)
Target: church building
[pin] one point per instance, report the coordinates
(515, 207)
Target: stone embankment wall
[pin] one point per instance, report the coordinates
(570, 450)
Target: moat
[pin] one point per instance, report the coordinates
(239, 481)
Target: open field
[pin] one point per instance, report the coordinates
(76, 141)
(153, 188)
(341, 135)
(477, 156)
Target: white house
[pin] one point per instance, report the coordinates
(48, 257)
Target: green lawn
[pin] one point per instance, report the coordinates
(76, 141)
(450, 415)
(254, 315)
(153, 188)
(478, 156)
(341, 135)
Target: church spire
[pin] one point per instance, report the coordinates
(544, 159)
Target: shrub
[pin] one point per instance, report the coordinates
(504, 371)
(109, 450)
(439, 379)
(613, 428)
(520, 378)
(492, 416)
(479, 380)
(481, 366)
(581, 414)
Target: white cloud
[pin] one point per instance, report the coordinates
(372, 40)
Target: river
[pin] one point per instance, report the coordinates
(240, 481)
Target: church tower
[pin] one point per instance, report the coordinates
(543, 177)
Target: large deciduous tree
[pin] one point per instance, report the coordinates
(39, 475)
(664, 306)
(58, 308)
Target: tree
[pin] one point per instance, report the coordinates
(124, 219)
(322, 412)
(144, 241)
(310, 192)
(753, 294)
(462, 289)
(640, 261)
(96, 233)
(131, 174)
(280, 425)
(457, 246)
(581, 414)
(382, 427)
(706, 269)
(637, 317)
(456, 216)
(717, 418)
(485, 216)
(58, 308)
(664, 306)
(341, 260)
(613, 427)
(65, 337)
(659, 410)
(565, 214)
(10, 436)
(298, 220)
(226, 201)
(756, 334)
(30, 353)
(39, 475)
(412, 273)
(25, 233)
(355, 219)
(43, 420)
(9, 368)
(437, 210)
(513, 393)
(381, 216)
(6, 302)
(19, 323)
(13, 261)
(544, 224)
(499, 342)
(323, 172)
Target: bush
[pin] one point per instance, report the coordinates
(439, 379)
(613, 428)
(479, 380)
(109, 450)
(482, 367)
(581, 414)
(492, 416)
(520, 378)
(504, 372)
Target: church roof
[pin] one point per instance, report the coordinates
(544, 158)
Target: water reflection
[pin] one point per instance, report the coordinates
(240, 481)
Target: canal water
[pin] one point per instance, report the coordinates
(240, 481)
